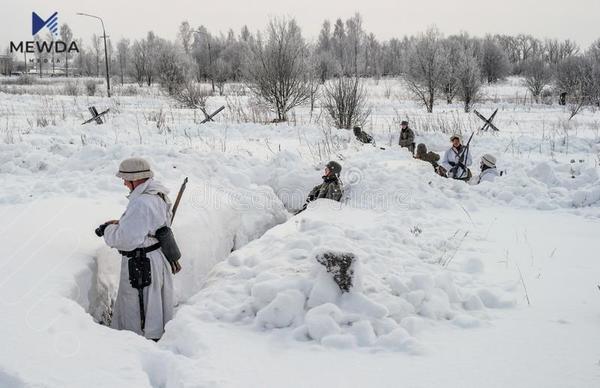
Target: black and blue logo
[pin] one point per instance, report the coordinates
(37, 23)
(38, 45)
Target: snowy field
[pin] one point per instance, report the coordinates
(492, 285)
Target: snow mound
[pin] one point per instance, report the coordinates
(276, 283)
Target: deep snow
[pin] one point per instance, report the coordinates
(444, 269)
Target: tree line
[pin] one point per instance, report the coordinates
(285, 70)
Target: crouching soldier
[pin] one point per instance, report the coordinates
(488, 170)
(430, 157)
(145, 298)
(407, 137)
(331, 188)
(362, 136)
(456, 161)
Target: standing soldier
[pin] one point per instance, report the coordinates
(430, 157)
(488, 170)
(146, 308)
(456, 161)
(407, 137)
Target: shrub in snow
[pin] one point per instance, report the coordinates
(340, 266)
(71, 88)
(90, 87)
(345, 100)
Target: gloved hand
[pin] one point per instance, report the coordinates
(175, 266)
(100, 230)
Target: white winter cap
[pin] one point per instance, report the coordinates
(133, 169)
(488, 160)
(456, 136)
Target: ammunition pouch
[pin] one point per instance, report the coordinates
(140, 275)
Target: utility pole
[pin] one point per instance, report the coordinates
(105, 50)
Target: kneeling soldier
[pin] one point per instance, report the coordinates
(488, 170)
(456, 161)
(430, 157)
(145, 298)
(362, 136)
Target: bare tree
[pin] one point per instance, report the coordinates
(122, 58)
(171, 68)
(468, 76)
(338, 46)
(66, 35)
(139, 61)
(278, 72)
(449, 80)
(323, 54)
(355, 41)
(344, 100)
(151, 47)
(593, 57)
(538, 75)
(80, 60)
(185, 36)
(494, 61)
(574, 77)
(41, 56)
(425, 67)
(221, 73)
(594, 51)
(7, 66)
(52, 52)
(96, 51)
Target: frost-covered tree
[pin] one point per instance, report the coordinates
(171, 67)
(96, 48)
(123, 52)
(449, 83)
(277, 71)
(139, 61)
(494, 61)
(66, 35)
(185, 36)
(574, 76)
(425, 67)
(468, 77)
(345, 101)
(538, 75)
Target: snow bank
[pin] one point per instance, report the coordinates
(404, 282)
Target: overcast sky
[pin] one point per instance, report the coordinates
(573, 19)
